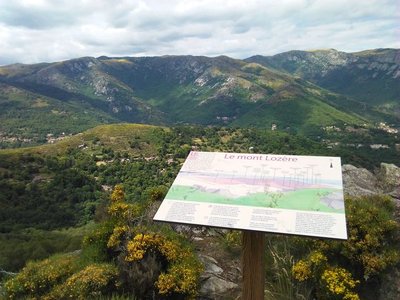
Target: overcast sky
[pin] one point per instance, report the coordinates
(33, 31)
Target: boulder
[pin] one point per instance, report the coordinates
(213, 284)
(359, 181)
(389, 178)
(214, 287)
(210, 265)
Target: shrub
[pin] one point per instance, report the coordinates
(232, 240)
(94, 245)
(121, 255)
(373, 242)
(37, 278)
(180, 279)
(92, 282)
(345, 269)
(280, 284)
(339, 284)
(153, 264)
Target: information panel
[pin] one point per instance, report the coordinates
(301, 195)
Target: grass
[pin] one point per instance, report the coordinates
(280, 284)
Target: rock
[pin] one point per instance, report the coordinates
(214, 287)
(359, 181)
(210, 265)
(213, 284)
(389, 177)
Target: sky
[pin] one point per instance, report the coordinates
(33, 31)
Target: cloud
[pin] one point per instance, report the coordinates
(33, 31)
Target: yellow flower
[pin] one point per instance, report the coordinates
(318, 258)
(115, 238)
(340, 282)
(301, 270)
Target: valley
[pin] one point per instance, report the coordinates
(90, 146)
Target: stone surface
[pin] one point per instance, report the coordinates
(385, 180)
(359, 181)
(214, 281)
(210, 265)
(215, 287)
(389, 177)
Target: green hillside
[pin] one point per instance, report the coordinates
(74, 95)
(29, 115)
(59, 185)
(53, 196)
(223, 91)
(371, 77)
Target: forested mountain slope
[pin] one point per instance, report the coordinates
(76, 94)
(371, 76)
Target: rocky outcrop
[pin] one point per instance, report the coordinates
(360, 181)
(389, 178)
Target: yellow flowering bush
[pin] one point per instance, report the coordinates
(92, 282)
(339, 284)
(149, 261)
(142, 243)
(116, 237)
(304, 269)
(37, 278)
(336, 269)
(117, 193)
(182, 268)
(233, 239)
(124, 211)
(301, 270)
(373, 240)
(181, 279)
(317, 258)
(121, 254)
(121, 211)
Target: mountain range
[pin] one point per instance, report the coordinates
(299, 91)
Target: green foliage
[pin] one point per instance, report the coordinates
(373, 243)
(62, 277)
(352, 269)
(45, 193)
(374, 85)
(27, 117)
(62, 185)
(38, 278)
(89, 283)
(17, 248)
(150, 261)
(123, 254)
(94, 245)
(280, 283)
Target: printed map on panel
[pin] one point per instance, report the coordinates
(272, 181)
